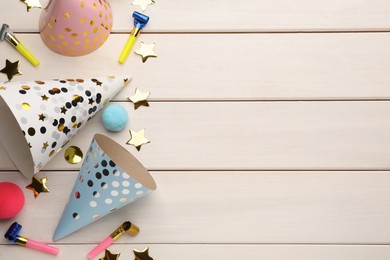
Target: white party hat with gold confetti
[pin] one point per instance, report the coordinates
(42, 116)
(110, 178)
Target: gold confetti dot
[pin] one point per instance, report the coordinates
(100, 13)
(68, 29)
(61, 36)
(26, 106)
(25, 87)
(53, 19)
(123, 200)
(74, 35)
(80, 80)
(85, 33)
(77, 43)
(59, 46)
(73, 155)
(53, 38)
(92, 23)
(67, 15)
(52, 153)
(61, 127)
(82, 4)
(94, 6)
(94, 155)
(39, 82)
(65, 43)
(96, 38)
(82, 20)
(49, 25)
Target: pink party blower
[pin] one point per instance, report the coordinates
(125, 227)
(13, 235)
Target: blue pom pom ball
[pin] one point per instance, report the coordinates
(115, 118)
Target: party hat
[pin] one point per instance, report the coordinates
(110, 178)
(75, 28)
(42, 116)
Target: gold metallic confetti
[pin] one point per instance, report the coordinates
(11, 69)
(32, 4)
(3, 88)
(142, 255)
(73, 155)
(45, 145)
(143, 3)
(109, 256)
(38, 185)
(63, 110)
(45, 98)
(139, 98)
(146, 51)
(42, 117)
(137, 139)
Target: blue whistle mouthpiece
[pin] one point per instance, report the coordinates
(140, 20)
(12, 233)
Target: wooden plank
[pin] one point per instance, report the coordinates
(212, 252)
(252, 15)
(232, 67)
(230, 207)
(251, 136)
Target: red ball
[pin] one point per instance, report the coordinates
(11, 200)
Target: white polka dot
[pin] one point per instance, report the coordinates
(43, 107)
(23, 120)
(115, 184)
(114, 193)
(96, 194)
(117, 173)
(93, 204)
(138, 185)
(125, 191)
(123, 200)
(104, 186)
(108, 201)
(125, 183)
(140, 192)
(125, 176)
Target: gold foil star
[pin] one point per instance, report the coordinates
(45, 145)
(11, 69)
(38, 185)
(137, 139)
(63, 110)
(32, 4)
(45, 98)
(146, 51)
(142, 255)
(109, 256)
(143, 3)
(41, 117)
(139, 98)
(3, 88)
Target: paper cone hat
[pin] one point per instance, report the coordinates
(40, 117)
(110, 178)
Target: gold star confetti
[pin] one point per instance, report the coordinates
(73, 154)
(3, 88)
(146, 51)
(139, 98)
(63, 110)
(109, 256)
(142, 255)
(45, 145)
(143, 3)
(32, 4)
(11, 69)
(90, 101)
(45, 98)
(41, 117)
(38, 185)
(137, 139)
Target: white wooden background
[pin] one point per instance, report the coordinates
(269, 128)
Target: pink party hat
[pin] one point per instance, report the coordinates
(42, 116)
(110, 178)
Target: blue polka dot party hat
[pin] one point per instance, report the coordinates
(110, 178)
(43, 115)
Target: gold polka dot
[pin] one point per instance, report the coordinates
(61, 127)
(102, 25)
(94, 6)
(40, 82)
(67, 15)
(103, 35)
(106, 17)
(59, 46)
(74, 35)
(61, 36)
(26, 106)
(68, 29)
(77, 43)
(105, 6)
(25, 87)
(85, 47)
(87, 41)
(51, 153)
(85, 33)
(93, 46)
(70, 80)
(82, 20)
(92, 22)
(95, 29)
(73, 154)
(82, 4)
(72, 48)
(100, 13)
(53, 19)
(123, 200)
(96, 38)
(49, 25)
(65, 43)
(53, 38)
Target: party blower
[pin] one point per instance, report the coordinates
(140, 20)
(13, 235)
(5, 34)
